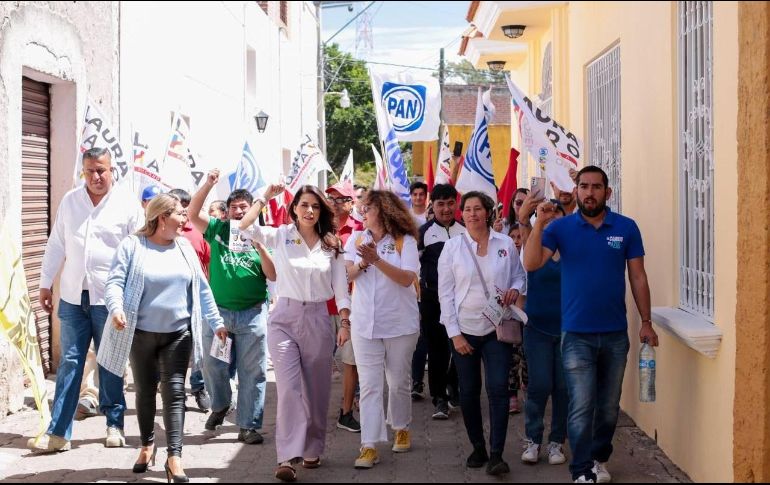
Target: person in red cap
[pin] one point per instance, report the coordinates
(341, 197)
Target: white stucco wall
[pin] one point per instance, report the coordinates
(72, 46)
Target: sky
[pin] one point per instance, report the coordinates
(408, 33)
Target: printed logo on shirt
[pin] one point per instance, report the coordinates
(502, 253)
(615, 242)
(293, 242)
(233, 259)
(389, 248)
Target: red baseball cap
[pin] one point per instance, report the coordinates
(345, 189)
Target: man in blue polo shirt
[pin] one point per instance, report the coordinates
(595, 245)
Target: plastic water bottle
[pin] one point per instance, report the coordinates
(647, 373)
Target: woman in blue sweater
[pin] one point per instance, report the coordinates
(158, 300)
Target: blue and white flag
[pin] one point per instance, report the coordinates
(247, 175)
(477, 173)
(399, 183)
(412, 104)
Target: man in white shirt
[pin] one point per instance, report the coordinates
(92, 220)
(418, 192)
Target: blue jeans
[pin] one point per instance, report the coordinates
(546, 379)
(594, 364)
(496, 356)
(247, 328)
(80, 324)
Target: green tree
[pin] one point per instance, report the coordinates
(354, 127)
(463, 72)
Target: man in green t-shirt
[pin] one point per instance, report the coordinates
(240, 290)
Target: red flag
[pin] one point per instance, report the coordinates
(431, 178)
(508, 188)
(458, 212)
(278, 210)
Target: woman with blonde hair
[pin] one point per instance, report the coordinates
(158, 300)
(308, 259)
(383, 263)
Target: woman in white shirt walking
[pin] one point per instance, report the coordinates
(383, 263)
(308, 259)
(463, 300)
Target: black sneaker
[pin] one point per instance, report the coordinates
(442, 409)
(348, 422)
(478, 457)
(203, 400)
(216, 419)
(250, 437)
(496, 465)
(418, 391)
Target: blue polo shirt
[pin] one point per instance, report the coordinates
(593, 264)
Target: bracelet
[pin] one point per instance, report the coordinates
(263, 200)
(362, 268)
(646, 320)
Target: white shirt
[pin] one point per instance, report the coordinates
(381, 307)
(420, 219)
(304, 273)
(473, 304)
(84, 239)
(456, 271)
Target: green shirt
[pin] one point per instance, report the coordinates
(236, 279)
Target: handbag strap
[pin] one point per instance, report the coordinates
(476, 262)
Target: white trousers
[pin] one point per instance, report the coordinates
(394, 357)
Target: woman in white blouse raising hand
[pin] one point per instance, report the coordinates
(383, 263)
(308, 260)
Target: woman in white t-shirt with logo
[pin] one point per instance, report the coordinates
(383, 263)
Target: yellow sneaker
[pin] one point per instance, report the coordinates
(368, 458)
(402, 443)
(48, 443)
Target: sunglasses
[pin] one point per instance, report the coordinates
(339, 200)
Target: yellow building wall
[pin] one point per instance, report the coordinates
(693, 415)
(499, 140)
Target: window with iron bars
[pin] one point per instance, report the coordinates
(603, 119)
(696, 157)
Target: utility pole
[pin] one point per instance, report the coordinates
(441, 68)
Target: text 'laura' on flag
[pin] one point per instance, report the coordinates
(18, 321)
(248, 174)
(412, 102)
(146, 166)
(477, 173)
(307, 163)
(443, 167)
(547, 141)
(98, 132)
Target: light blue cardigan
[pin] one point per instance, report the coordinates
(123, 291)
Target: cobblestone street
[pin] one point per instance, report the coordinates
(439, 449)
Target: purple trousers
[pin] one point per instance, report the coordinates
(301, 342)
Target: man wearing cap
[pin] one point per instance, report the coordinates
(148, 193)
(91, 221)
(341, 197)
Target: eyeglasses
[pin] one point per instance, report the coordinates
(339, 200)
(364, 209)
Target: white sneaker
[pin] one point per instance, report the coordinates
(584, 479)
(602, 475)
(115, 438)
(555, 454)
(531, 453)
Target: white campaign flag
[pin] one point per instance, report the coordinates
(381, 175)
(180, 168)
(477, 173)
(305, 167)
(347, 171)
(546, 140)
(98, 133)
(443, 169)
(146, 166)
(411, 101)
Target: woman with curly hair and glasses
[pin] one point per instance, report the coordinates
(308, 257)
(383, 263)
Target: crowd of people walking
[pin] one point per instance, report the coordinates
(168, 286)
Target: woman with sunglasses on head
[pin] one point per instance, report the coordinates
(158, 299)
(308, 257)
